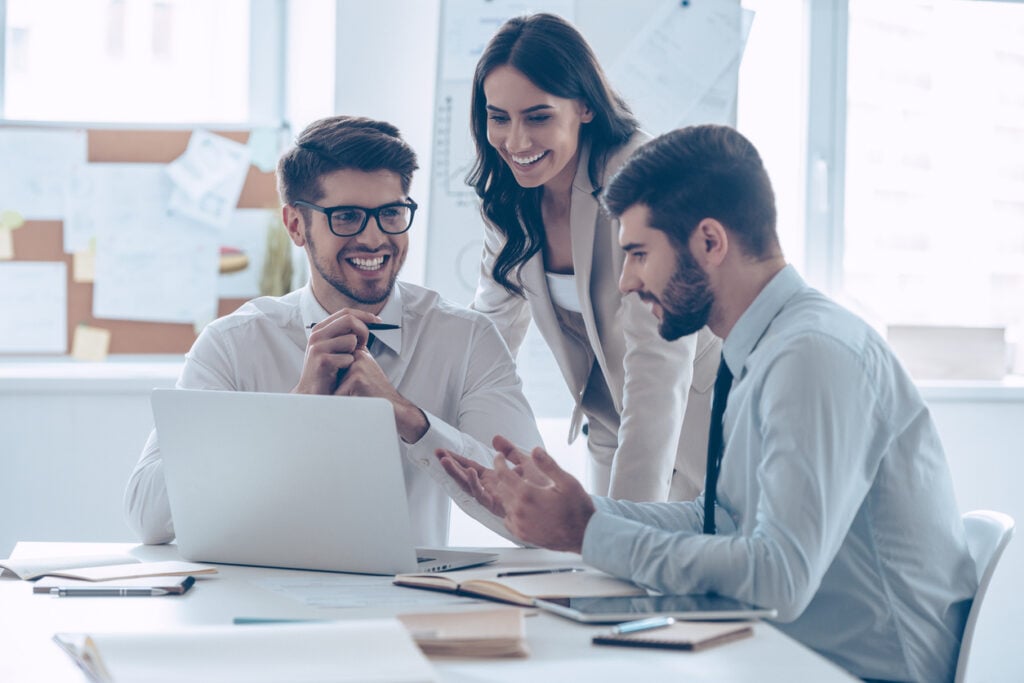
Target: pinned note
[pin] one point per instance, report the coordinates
(6, 244)
(84, 265)
(90, 343)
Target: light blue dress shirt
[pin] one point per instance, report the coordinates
(835, 502)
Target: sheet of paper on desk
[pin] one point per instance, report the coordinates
(100, 569)
(339, 651)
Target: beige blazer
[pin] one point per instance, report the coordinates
(660, 390)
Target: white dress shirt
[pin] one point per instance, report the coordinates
(835, 502)
(449, 361)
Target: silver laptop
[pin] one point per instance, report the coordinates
(295, 481)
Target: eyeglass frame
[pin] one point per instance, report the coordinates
(367, 212)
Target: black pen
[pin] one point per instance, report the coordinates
(370, 326)
(529, 572)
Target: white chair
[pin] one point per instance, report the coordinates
(988, 532)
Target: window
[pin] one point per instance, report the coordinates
(153, 61)
(933, 225)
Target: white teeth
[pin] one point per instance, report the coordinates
(526, 161)
(367, 263)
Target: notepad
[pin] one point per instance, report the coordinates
(682, 635)
(524, 589)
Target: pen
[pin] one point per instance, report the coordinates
(271, 620)
(371, 326)
(643, 625)
(529, 572)
(101, 592)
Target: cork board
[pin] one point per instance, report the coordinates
(43, 240)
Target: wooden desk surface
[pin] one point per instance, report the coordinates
(559, 649)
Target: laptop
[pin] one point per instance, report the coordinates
(293, 481)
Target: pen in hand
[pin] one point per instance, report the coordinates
(529, 572)
(643, 625)
(370, 326)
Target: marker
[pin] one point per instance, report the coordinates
(369, 326)
(530, 572)
(106, 592)
(643, 624)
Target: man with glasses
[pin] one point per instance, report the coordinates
(345, 190)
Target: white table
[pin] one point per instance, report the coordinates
(559, 649)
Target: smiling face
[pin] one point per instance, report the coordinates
(534, 132)
(358, 271)
(670, 280)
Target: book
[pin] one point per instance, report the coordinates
(169, 585)
(100, 568)
(682, 635)
(495, 632)
(522, 585)
(339, 651)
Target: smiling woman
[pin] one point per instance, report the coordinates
(549, 133)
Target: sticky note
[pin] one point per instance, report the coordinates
(90, 343)
(84, 266)
(6, 245)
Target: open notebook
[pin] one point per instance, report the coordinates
(286, 480)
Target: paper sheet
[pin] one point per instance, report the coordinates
(677, 59)
(354, 592)
(33, 307)
(35, 184)
(208, 178)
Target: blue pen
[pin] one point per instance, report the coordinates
(265, 620)
(643, 625)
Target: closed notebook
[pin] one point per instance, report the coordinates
(524, 585)
(495, 632)
(682, 635)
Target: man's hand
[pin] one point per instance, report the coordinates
(337, 362)
(331, 349)
(540, 502)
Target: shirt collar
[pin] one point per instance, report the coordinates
(751, 326)
(312, 313)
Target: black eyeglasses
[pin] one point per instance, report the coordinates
(349, 221)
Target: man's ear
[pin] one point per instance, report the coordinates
(710, 242)
(293, 223)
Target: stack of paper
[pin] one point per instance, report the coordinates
(378, 650)
(100, 568)
(477, 633)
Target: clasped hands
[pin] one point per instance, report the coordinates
(540, 503)
(338, 362)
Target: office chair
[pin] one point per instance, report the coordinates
(988, 532)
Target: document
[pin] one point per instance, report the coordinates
(522, 585)
(379, 650)
(33, 307)
(100, 567)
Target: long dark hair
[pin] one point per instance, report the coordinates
(554, 56)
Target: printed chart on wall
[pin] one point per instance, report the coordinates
(676, 63)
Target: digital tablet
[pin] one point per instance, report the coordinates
(704, 607)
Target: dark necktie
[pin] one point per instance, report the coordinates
(716, 443)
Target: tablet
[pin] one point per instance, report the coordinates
(703, 607)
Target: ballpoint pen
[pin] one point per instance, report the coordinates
(643, 625)
(370, 326)
(101, 592)
(528, 572)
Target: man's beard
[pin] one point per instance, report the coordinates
(365, 296)
(686, 301)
